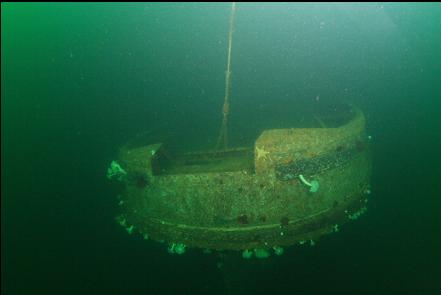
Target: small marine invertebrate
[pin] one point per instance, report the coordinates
(115, 171)
(247, 254)
(177, 248)
(314, 184)
(278, 250)
(261, 153)
(261, 253)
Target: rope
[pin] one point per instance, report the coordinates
(223, 134)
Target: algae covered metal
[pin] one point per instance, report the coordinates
(293, 186)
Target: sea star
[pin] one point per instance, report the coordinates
(261, 153)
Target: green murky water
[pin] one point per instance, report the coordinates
(80, 80)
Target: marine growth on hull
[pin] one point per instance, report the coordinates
(292, 187)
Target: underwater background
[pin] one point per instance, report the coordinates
(80, 80)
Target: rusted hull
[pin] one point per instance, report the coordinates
(261, 205)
